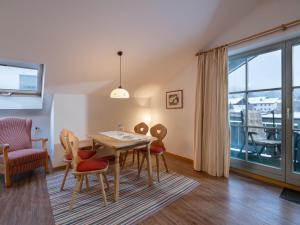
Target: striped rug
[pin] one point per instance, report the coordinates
(137, 199)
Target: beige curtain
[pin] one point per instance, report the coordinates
(211, 141)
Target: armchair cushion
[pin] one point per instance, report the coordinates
(24, 156)
(16, 132)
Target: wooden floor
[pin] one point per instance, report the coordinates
(238, 200)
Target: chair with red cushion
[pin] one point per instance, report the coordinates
(157, 147)
(17, 154)
(84, 153)
(140, 128)
(82, 168)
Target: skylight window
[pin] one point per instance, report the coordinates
(20, 79)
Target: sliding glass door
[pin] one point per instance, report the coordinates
(255, 108)
(293, 112)
(264, 109)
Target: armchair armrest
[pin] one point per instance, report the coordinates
(4, 150)
(42, 140)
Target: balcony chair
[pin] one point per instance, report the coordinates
(157, 147)
(17, 155)
(82, 168)
(140, 128)
(260, 135)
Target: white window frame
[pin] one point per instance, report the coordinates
(15, 92)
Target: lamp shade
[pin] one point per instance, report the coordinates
(119, 93)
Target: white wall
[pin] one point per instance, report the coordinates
(179, 122)
(268, 15)
(68, 111)
(105, 113)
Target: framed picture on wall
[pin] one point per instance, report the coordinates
(174, 99)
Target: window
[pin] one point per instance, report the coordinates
(20, 78)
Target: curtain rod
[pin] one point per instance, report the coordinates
(282, 27)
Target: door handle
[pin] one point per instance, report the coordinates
(287, 113)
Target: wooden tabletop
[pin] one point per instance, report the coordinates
(121, 144)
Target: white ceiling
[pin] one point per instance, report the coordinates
(78, 39)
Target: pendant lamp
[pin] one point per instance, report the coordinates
(120, 92)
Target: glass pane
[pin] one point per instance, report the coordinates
(237, 104)
(264, 127)
(264, 108)
(237, 75)
(296, 133)
(296, 65)
(17, 78)
(264, 71)
(296, 152)
(296, 108)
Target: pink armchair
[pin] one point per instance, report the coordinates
(16, 152)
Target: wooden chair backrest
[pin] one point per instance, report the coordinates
(73, 145)
(159, 131)
(141, 128)
(62, 138)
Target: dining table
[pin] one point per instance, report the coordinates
(122, 141)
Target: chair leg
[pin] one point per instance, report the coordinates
(157, 167)
(81, 181)
(7, 179)
(124, 160)
(87, 183)
(165, 163)
(75, 190)
(102, 188)
(133, 153)
(46, 164)
(106, 181)
(142, 163)
(65, 176)
(138, 159)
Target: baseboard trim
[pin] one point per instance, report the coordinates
(265, 179)
(179, 157)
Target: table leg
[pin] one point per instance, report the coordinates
(149, 164)
(117, 176)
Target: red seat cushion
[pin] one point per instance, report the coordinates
(92, 164)
(83, 154)
(24, 156)
(155, 149)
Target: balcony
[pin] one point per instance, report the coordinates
(270, 154)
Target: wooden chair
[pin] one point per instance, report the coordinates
(82, 168)
(157, 147)
(140, 128)
(85, 152)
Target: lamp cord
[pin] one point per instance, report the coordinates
(120, 72)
